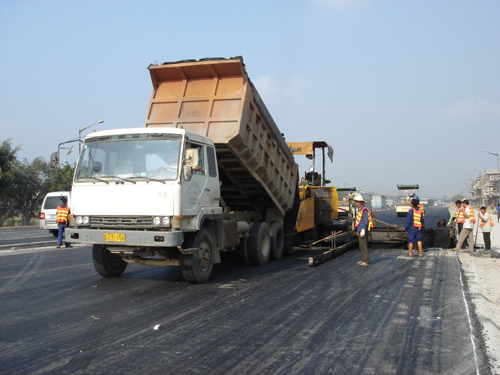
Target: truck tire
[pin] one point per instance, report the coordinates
(277, 240)
(259, 244)
(54, 232)
(107, 264)
(242, 251)
(197, 267)
(288, 248)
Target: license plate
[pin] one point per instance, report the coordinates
(53, 216)
(114, 237)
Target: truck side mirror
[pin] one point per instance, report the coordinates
(54, 160)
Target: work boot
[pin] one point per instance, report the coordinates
(364, 264)
(58, 246)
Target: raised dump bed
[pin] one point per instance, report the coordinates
(215, 98)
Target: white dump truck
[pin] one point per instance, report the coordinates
(209, 172)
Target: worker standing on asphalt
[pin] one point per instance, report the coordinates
(62, 221)
(413, 227)
(498, 213)
(468, 227)
(486, 222)
(421, 207)
(363, 225)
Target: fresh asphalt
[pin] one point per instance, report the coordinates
(399, 316)
(25, 237)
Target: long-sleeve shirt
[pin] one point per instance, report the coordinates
(487, 225)
(409, 221)
(363, 224)
(468, 224)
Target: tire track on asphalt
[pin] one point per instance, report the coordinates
(23, 276)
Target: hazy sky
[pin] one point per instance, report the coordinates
(405, 91)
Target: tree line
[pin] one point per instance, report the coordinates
(24, 184)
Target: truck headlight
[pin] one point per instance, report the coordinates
(161, 221)
(82, 220)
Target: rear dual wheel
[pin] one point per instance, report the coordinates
(259, 244)
(277, 239)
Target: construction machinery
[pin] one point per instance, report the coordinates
(405, 193)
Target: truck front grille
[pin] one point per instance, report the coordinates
(121, 222)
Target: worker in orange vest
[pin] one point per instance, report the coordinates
(63, 213)
(414, 227)
(485, 223)
(468, 227)
(363, 225)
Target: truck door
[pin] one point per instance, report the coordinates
(200, 183)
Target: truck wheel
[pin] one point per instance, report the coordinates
(54, 232)
(259, 244)
(197, 267)
(107, 264)
(242, 251)
(277, 240)
(288, 248)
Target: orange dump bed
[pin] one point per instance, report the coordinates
(215, 98)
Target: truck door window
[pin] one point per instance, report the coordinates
(194, 160)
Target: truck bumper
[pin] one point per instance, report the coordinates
(124, 237)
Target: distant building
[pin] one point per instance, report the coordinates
(490, 188)
(378, 201)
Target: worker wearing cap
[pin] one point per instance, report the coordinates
(363, 224)
(468, 227)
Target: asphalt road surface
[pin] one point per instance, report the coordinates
(15, 236)
(432, 214)
(399, 316)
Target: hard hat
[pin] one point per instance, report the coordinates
(416, 197)
(359, 198)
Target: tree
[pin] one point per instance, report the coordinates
(30, 185)
(61, 179)
(457, 197)
(8, 160)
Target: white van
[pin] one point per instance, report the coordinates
(48, 213)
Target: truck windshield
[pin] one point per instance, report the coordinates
(130, 156)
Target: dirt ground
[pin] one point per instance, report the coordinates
(483, 278)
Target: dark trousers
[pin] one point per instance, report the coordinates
(487, 240)
(460, 226)
(363, 247)
(60, 234)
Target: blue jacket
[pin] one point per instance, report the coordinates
(363, 224)
(409, 222)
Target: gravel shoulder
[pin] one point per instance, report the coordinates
(483, 278)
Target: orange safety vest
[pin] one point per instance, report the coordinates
(471, 215)
(483, 223)
(459, 215)
(62, 214)
(421, 206)
(360, 215)
(417, 215)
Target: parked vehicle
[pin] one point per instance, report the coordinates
(48, 211)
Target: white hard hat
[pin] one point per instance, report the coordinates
(359, 198)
